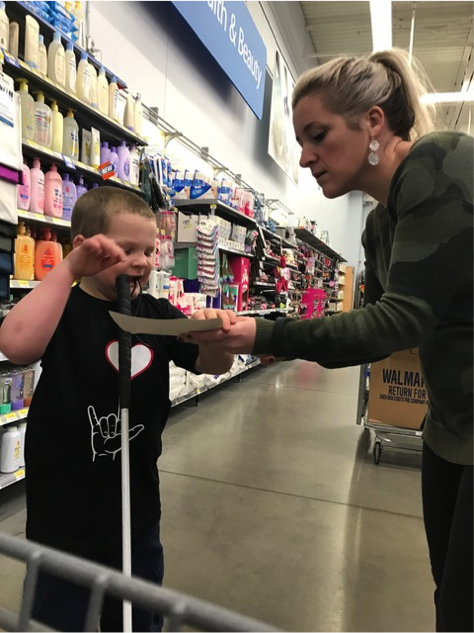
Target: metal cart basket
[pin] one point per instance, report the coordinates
(178, 609)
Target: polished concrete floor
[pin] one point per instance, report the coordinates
(273, 507)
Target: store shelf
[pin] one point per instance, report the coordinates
(227, 247)
(23, 285)
(262, 284)
(3, 358)
(271, 260)
(212, 205)
(43, 219)
(308, 237)
(13, 416)
(11, 478)
(46, 155)
(85, 115)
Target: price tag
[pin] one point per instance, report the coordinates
(10, 417)
(33, 144)
(20, 474)
(9, 58)
(69, 162)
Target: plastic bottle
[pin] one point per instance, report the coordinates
(5, 393)
(69, 197)
(134, 165)
(104, 152)
(22, 431)
(59, 247)
(129, 116)
(31, 41)
(83, 80)
(18, 382)
(10, 450)
(53, 193)
(81, 189)
(24, 255)
(58, 125)
(43, 122)
(71, 71)
(4, 28)
(23, 190)
(114, 159)
(93, 74)
(138, 115)
(46, 255)
(57, 60)
(71, 136)
(27, 111)
(42, 57)
(29, 385)
(102, 92)
(14, 38)
(36, 188)
(113, 99)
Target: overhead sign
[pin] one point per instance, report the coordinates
(228, 32)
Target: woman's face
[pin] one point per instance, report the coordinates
(335, 154)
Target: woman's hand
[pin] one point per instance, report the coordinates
(238, 337)
(228, 317)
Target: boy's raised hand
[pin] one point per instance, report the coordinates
(93, 255)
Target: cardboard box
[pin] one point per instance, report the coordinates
(187, 225)
(397, 391)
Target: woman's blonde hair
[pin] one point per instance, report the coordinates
(350, 86)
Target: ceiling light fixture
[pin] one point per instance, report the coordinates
(448, 97)
(381, 21)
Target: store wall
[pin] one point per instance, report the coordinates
(153, 49)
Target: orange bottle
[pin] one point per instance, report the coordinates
(46, 255)
(24, 254)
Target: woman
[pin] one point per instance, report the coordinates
(361, 126)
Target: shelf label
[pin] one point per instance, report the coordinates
(20, 474)
(9, 58)
(10, 417)
(68, 162)
(23, 284)
(106, 170)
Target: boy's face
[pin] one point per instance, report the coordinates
(136, 235)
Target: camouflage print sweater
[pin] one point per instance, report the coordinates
(419, 290)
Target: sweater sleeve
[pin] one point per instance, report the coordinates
(432, 230)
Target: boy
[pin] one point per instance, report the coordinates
(73, 441)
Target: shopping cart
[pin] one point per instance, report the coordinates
(178, 609)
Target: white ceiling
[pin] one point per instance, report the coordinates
(443, 42)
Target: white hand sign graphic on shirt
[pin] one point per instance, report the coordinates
(106, 434)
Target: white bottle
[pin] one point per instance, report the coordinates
(10, 450)
(57, 61)
(113, 99)
(129, 117)
(42, 57)
(31, 41)
(83, 80)
(27, 112)
(58, 126)
(138, 115)
(22, 431)
(14, 38)
(93, 74)
(43, 122)
(134, 166)
(4, 28)
(102, 92)
(71, 71)
(71, 136)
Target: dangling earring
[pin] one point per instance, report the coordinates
(373, 156)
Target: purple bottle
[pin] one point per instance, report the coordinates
(114, 159)
(104, 153)
(81, 189)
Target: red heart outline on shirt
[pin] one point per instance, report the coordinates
(142, 357)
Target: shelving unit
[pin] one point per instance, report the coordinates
(213, 206)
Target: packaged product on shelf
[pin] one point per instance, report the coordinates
(123, 169)
(71, 136)
(114, 159)
(225, 191)
(69, 197)
(59, 247)
(22, 431)
(58, 128)
(138, 115)
(86, 143)
(81, 188)
(36, 188)
(93, 76)
(129, 114)
(17, 394)
(42, 57)
(102, 92)
(43, 122)
(113, 98)
(10, 450)
(24, 267)
(4, 28)
(27, 111)
(57, 61)
(5, 393)
(31, 41)
(71, 70)
(14, 38)
(46, 255)
(29, 385)
(95, 148)
(134, 166)
(104, 153)
(53, 193)
(83, 80)
(23, 190)
(201, 187)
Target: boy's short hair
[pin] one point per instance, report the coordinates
(93, 210)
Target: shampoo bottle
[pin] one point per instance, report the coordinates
(104, 153)
(27, 112)
(83, 80)
(31, 41)
(69, 197)
(138, 115)
(71, 136)
(59, 247)
(57, 141)
(113, 99)
(134, 166)
(10, 450)
(123, 162)
(42, 57)
(71, 71)
(43, 122)
(23, 190)
(46, 255)
(81, 189)
(14, 38)
(24, 255)
(103, 92)
(129, 117)
(4, 28)
(36, 188)
(22, 431)
(93, 75)
(57, 61)
(114, 159)
(53, 193)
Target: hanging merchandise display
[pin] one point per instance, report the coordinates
(208, 257)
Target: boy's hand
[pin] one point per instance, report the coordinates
(228, 317)
(94, 255)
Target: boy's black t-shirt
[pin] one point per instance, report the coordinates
(73, 440)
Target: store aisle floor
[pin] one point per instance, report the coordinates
(273, 507)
